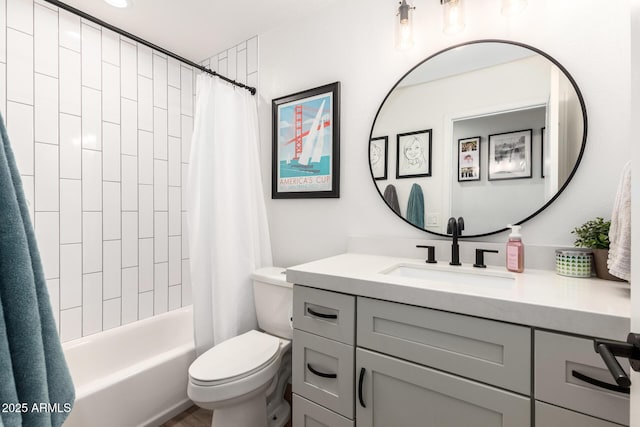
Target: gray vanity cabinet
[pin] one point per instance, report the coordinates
(395, 392)
(402, 365)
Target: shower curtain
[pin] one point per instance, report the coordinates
(227, 220)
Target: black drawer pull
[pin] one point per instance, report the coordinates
(360, 383)
(321, 315)
(321, 374)
(599, 383)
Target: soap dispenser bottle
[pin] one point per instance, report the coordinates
(515, 250)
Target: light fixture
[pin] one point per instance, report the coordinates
(404, 26)
(118, 3)
(453, 16)
(513, 7)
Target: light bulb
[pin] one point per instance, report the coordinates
(453, 16)
(404, 26)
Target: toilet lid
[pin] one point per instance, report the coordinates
(235, 358)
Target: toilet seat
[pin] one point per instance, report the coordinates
(234, 359)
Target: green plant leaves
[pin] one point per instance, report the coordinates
(593, 234)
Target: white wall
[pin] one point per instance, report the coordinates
(352, 42)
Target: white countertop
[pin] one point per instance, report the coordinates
(538, 298)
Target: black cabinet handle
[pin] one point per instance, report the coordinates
(360, 383)
(321, 374)
(321, 315)
(599, 383)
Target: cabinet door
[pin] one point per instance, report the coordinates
(553, 416)
(399, 393)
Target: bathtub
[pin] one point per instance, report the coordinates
(134, 375)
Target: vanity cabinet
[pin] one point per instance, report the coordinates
(369, 362)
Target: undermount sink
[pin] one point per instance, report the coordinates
(459, 275)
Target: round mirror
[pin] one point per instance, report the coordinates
(491, 131)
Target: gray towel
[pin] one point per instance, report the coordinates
(33, 370)
(415, 207)
(391, 197)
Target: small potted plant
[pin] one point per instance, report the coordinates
(594, 234)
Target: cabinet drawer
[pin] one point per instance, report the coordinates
(492, 352)
(308, 414)
(553, 416)
(557, 356)
(323, 371)
(325, 313)
(395, 392)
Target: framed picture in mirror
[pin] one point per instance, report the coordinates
(469, 159)
(510, 155)
(413, 156)
(378, 157)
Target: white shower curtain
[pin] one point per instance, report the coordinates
(227, 221)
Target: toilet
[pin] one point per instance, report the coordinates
(243, 379)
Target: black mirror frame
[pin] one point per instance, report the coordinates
(560, 190)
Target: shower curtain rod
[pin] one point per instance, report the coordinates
(148, 44)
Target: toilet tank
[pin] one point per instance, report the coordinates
(273, 297)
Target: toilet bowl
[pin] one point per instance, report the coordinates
(243, 378)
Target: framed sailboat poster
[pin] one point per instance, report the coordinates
(306, 144)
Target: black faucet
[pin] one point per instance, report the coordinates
(455, 229)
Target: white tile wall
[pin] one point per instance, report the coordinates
(129, 70)
(70, 81)
(101, 128)
(129, 120)
(111, 151)
(111, 313)
(3, 32)
(71, 211)
(70, 276)
(20, 123)
(46, 109)
(161, 288)
(70, 146)
(160, 131)
(46, 177)
(45, 41)
(129, 295)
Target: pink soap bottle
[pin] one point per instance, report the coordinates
(515, 250)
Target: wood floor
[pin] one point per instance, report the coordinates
(198, 417)
(192, 417)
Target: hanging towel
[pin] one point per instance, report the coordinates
(33, 371)
(619, 261)
(415, 207)
(391, 197)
